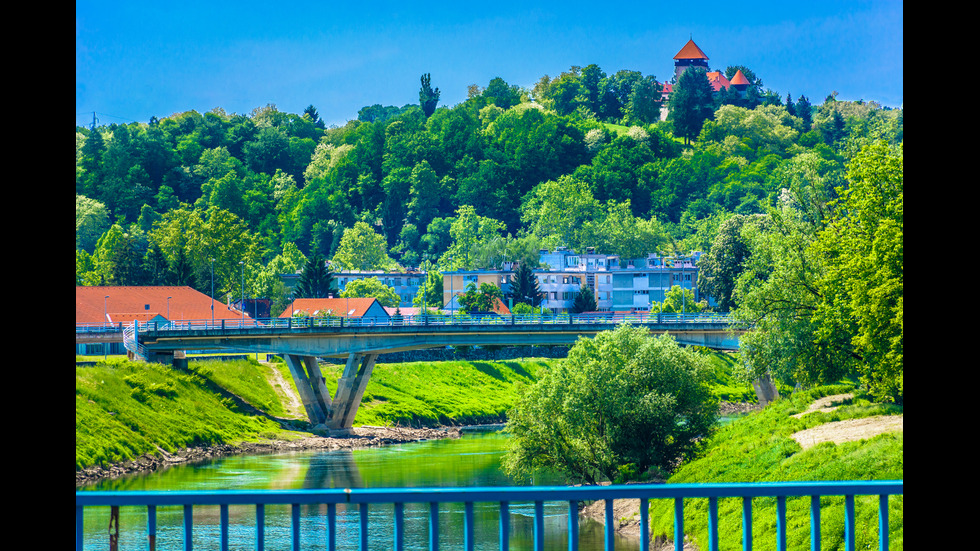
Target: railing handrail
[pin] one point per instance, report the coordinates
(421, 320)
(489, 494)
(505, 495)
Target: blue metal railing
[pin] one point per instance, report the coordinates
(611, 319)
(364, 498)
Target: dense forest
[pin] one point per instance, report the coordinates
(580, 160)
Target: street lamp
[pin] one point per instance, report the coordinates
(212, 292)
(242, 263)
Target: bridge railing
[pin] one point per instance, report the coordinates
(396, 498)
(600, 318)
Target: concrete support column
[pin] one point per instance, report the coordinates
(316, 409)
(350, 390)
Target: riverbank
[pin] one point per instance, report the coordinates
(363, 437)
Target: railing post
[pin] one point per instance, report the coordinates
(573, 526)
(747, 524)
(644, 523)
(609, 531)
(883, 522)
(188, 527)
(678, 524)
(399, 535)
(505, 526)
(815, 523)
(434, 526)
(332, 526)
(539, 526)
(468, 542)
(781, 523)
(295, 526)
(259, 527)
(364, 527)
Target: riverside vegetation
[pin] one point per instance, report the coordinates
(125, 410)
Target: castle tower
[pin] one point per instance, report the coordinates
(740, 83)
(689, 56)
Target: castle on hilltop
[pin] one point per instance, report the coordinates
(693, 56)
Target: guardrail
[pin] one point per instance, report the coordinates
(418, 321)
(364, 498)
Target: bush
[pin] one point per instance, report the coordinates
(620, 404)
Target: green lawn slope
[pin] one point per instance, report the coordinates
(126, 409)
(760, 448)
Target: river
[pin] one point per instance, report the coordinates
(472, 460)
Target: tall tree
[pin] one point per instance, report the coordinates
(584, 301)
(316, 280)
(428, 98)
(863, 288)
(372, 287)
(691, 103)
(721, 266)
(482, 299)
(524, 288)
(362, 249)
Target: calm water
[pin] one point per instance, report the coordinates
(473, 460)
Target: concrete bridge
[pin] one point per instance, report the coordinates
(302, 340)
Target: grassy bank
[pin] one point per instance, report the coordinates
(126, 409)
(760, 448)
(441, 393)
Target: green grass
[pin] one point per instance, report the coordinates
(126, 409)
(760, 448)
(440, 393)
(725, 387)
(246, 379)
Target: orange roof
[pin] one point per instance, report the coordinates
(342, 307)
(690, 51)
(718, 80)
(101, 304)
(739, 79)
(500, 308)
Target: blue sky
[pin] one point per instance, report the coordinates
(134, 60)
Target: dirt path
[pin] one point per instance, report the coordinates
(848, 430)
(626, 511)
(291, 402)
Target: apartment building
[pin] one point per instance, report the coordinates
(619, 284)
(406, 284)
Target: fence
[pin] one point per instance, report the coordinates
(396, 498)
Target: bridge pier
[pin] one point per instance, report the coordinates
(335, 415)
(312, 390)
(350, 390)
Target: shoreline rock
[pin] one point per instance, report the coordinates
(362, 437)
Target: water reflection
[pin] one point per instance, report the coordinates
(473, 460)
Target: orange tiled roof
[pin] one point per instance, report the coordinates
(690, 51)
(143, 303)
(356, 307)
(739, 79)
(718, 80)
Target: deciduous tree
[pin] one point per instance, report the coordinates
(372, 287)
(621, 404)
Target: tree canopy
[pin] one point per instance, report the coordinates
(576, 160)
(612, 409)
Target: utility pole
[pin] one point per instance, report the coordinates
(94, 121)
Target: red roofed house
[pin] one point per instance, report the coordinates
(120, 306)
(112, 305)
(363, 308)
